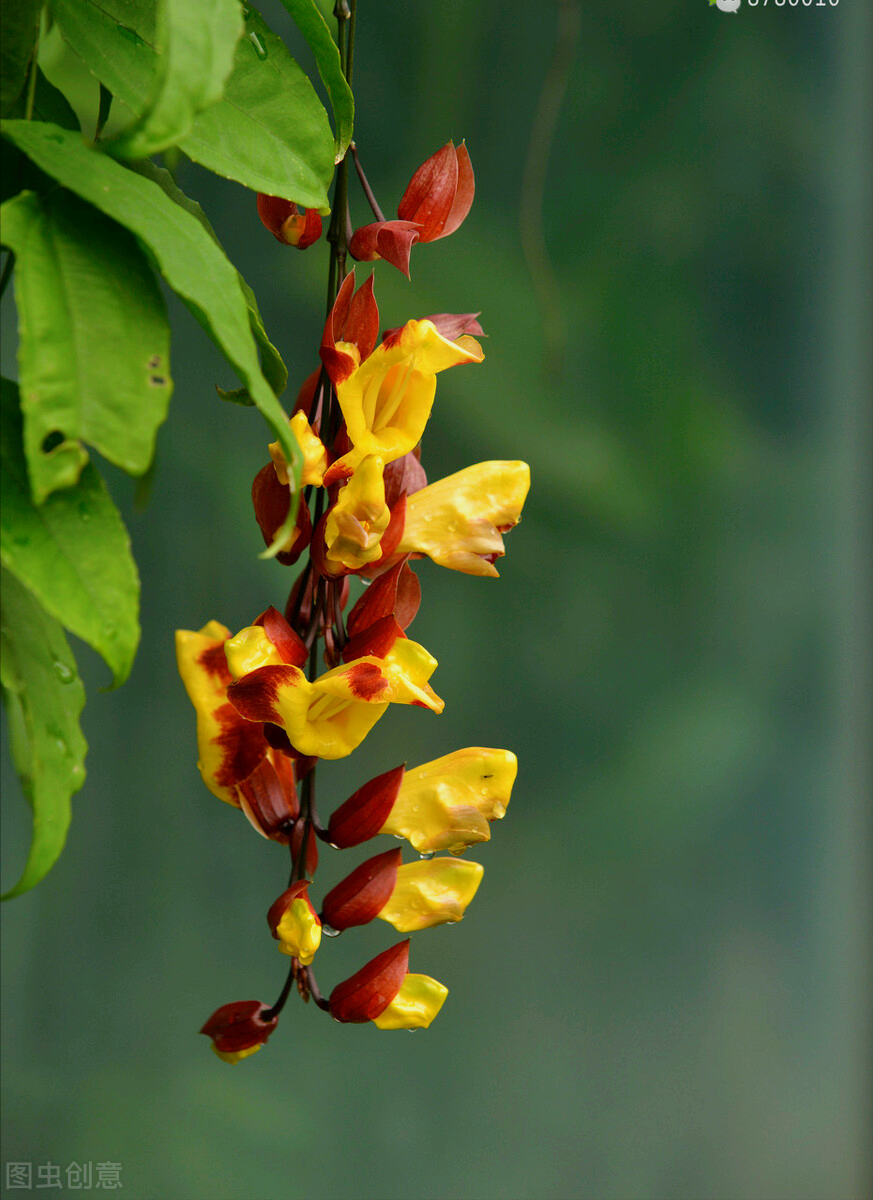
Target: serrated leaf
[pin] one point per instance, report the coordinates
(19, 26)
(72, 552)
(190, 262)
(271, 360)
(196, 44)
(309, 19)
(268, 131)
(94, 344)
(44, 697)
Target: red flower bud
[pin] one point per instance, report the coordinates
(439, 195)
(354, 318)
(397, 593)
(364, 813)
(361, 895)
(239, 1029)
(287, 223)
(369, 991)
(268, 797)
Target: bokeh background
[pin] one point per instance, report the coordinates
(661, 989)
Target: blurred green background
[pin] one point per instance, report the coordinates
(661, 988)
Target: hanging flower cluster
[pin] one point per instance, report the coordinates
(309, 683)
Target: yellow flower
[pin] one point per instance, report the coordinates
(447, 804)
(354, 527)
(311, 447)
(416, 1004)
(431, 893)
(387, 399)
(295, 924)
(330, 716)
(458, 521)
(229, 747)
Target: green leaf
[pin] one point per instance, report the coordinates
(196, 44)
(94, 344)
(187, 257)
(72, 552)
(271, 360)
(268, 131)
(236, 396)
(19, 27)
(311, 23)
(43, 696)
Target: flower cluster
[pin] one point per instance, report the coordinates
(309, 683)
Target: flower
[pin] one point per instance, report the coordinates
(294, 923)
(355, 524)
(446, 804)
(330, 716)
(239, 1029)
(311, 447)
(391, 240)
(458, 521)
(409, 896)
(287, 223)
(384, 992)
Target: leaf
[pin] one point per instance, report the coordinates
(271, 360)
(310, 21)
(191, 263)
(72, 552)
(44, 696)
(268, 131)
(197, 44)
(94, 343)
(235, 396)
(19, 27)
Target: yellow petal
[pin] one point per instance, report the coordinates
(431, 893)
(311, 447)
(447, 804)
(234, 1056)
(249, 649)
(299, 931)
(354, 527)
(457, 520)
(416, 1004)
(386, 402)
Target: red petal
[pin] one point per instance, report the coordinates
(463, 196)
(397, 593)
(364, 813)
(287, 642)
(391, 240)
(274, 212)
(254, 695)
(369, 991)
(267, 803)
(364, 893)
(353, 318)
(311, 863)
(403, 476)
(271, 500)
(376, 639)
(430, 194)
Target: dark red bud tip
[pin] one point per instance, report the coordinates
(396, 593)
(240, 1025)
(364, 893)
(287, 223)
(377, 639)
(369, 991)
(354, 318)
(364, 813)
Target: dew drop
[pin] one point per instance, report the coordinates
(329, 931)
(61, 745)
(427, 856)
(260, 48)
(415, 1029)
(63, 672)
(84, 515)
(333, 845)
(457, 851)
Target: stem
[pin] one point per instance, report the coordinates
(283, 995)
(31, 82)
(365, 184)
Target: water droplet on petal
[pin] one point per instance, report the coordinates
(427, 856)
(457, 850)
(415, 1029)
(329, 931)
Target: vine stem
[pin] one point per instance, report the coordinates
(365, 184)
